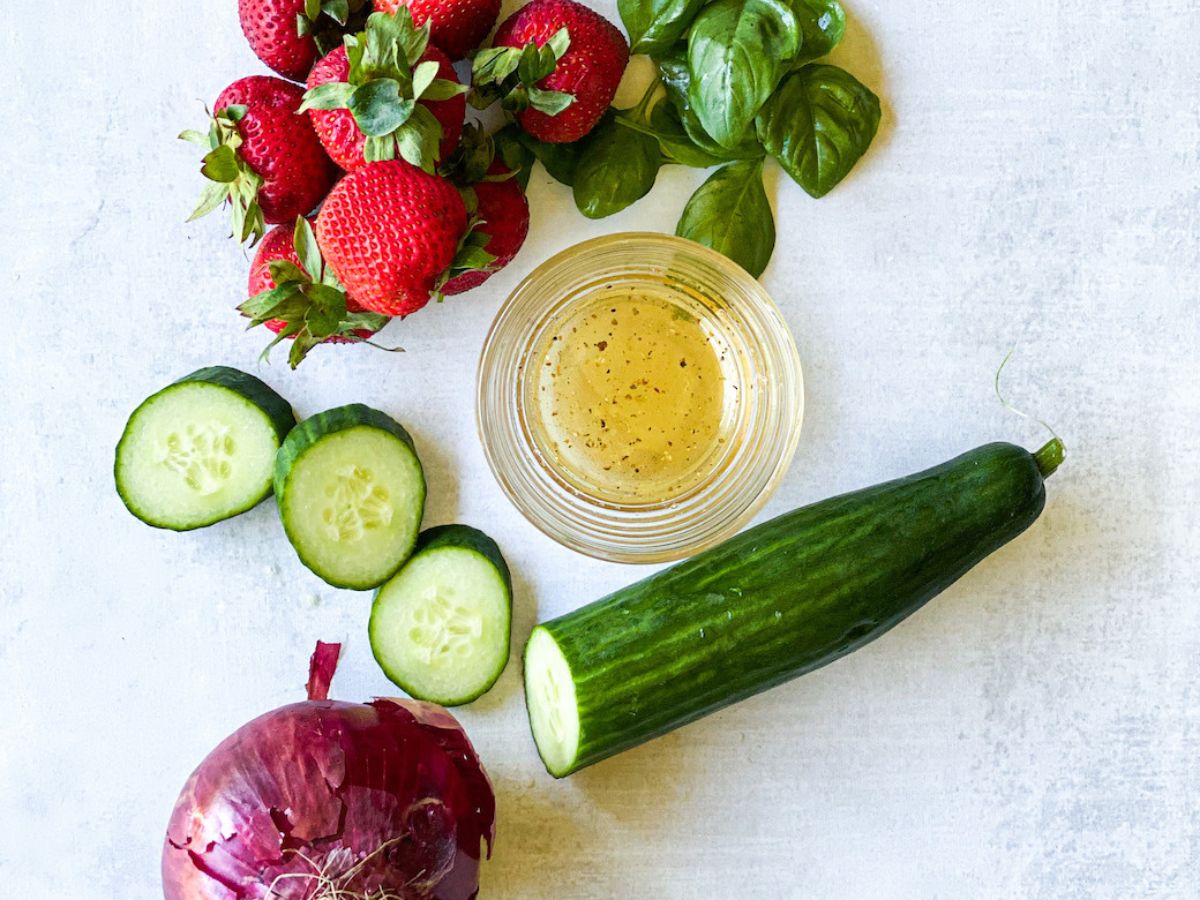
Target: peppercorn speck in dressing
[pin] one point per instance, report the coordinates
(631, 395)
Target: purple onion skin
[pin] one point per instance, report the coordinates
(388, 795)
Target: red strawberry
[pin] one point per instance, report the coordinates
(360, 96)
(262, 157)
(391, 231)
(581, 60)
(286, 35)
(457, 26)
(503, 214)
(289, 300)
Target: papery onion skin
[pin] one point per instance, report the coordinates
(385, 796)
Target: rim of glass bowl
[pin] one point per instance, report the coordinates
(754, 462)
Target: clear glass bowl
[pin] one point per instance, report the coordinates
(759, 430)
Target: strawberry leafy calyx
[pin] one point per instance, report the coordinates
(472, 255)
(309, 300)
(327, 21)
(231, 179)
(473, 158)
(511, 75)
(386, 79)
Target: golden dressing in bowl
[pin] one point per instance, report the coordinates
(631, 394)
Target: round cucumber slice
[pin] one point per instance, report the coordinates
(201, 450)
(550, 698)
(351, 494)
(440, 628)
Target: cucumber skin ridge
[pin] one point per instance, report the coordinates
(785, 597)
(277, 410)
(254, 389)
(463, 536)
(309, 432)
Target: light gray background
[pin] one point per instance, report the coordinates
(1034, 733)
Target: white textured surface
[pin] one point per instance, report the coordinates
(1035, 732)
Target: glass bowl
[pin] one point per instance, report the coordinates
(761, 415)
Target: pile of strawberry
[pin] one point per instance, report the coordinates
(411, 202)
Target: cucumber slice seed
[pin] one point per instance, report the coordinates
(351, 496)
(440, 628)
(200, 450)
(550, 696)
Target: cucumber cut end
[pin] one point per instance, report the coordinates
(352, 506)
(193, 454)
(439, 629)
(550, 698)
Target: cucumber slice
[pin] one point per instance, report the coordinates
(440, 628)
(351, 494)
(201, 450)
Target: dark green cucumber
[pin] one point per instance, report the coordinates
(351, 493)
(440, 626)
(202, 449)
(778, 600)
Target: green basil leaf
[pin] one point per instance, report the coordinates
(818, 125)
(221, 165)
(378, 107)
(654, 25)
(738, 50)
(731, 214)
(675, 77)
(617, 167)
(559, 160)
(822, 24)
(674, 142)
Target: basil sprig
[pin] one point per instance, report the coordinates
(740, 85)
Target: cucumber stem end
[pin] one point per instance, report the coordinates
(1050, 457)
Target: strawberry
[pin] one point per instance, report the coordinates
(360, 96)
(501, 212)
(288, 35)
(457, 26)
(262, 158)
(290, 300)
(391, 232)
(556, 64)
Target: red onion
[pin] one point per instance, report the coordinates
(323, 799)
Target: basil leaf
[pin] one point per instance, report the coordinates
(738, 50)
(665, 127)
(617, 167)
(559, 160)
(818, 125)
(822, 24)
(675, 77)
(654, 25)
(378, 107)
(731, 214)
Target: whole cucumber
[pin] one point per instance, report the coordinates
(780, 599)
